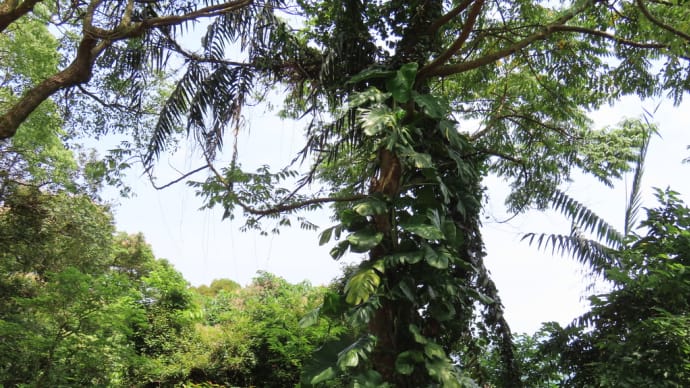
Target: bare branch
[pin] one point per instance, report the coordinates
(198, 58)
(615, 39)
(184, 176)
(298, 205)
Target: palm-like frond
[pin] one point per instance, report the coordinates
(635, 200)
(598, 253)
(212, 91)
(585, 219)
(588, 252)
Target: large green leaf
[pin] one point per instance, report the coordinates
(376, 119)
(419, 160)
(339, 250)
(362, 285)
(422, 230)
(412, 257)
(430, 105)
(436, 258)
(370, 73)
(401, 85)
(364, 240)
(417, 334)
(325, 375)
(405, 362)
(434, 350)
(371, 207)
(311, 318)
(326, 235)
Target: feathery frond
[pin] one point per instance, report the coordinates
(634, 203)
(586, 220)
(588, 252)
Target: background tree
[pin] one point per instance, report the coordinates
(253, 336)
(636, 334)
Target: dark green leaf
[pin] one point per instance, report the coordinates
(370, 73)
(310, 318)
(429, 104)
(413, 257)
(405, 362)
(339, 250)
(325, 236)
(400, 86)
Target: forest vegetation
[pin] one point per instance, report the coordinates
(384, 89)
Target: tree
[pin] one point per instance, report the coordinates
(103, 31)
(253, 337)
(63, 313)
(526, 71)
(390, 87)
(81, 306)
(636, 334)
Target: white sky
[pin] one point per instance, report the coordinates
(535, 287)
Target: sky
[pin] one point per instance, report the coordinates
(535, 286)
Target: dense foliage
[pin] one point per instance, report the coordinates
(390, 89)
(82, 306)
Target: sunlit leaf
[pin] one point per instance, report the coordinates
(362, 285)
(422, 230)
(370, 207)
(364, 240)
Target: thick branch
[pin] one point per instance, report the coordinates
(94, 41)
(459, 42)
(78, 72)
(510, 50)
(438, 23)
(11, 11)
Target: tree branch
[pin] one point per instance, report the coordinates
(438, 23)
(458, 43)
(198, 58)
(659, 23)
(184, 176)
(298, 205)
(10, 11)
(616, 39)
(489, 58)
(78, 72)
(94, 41)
